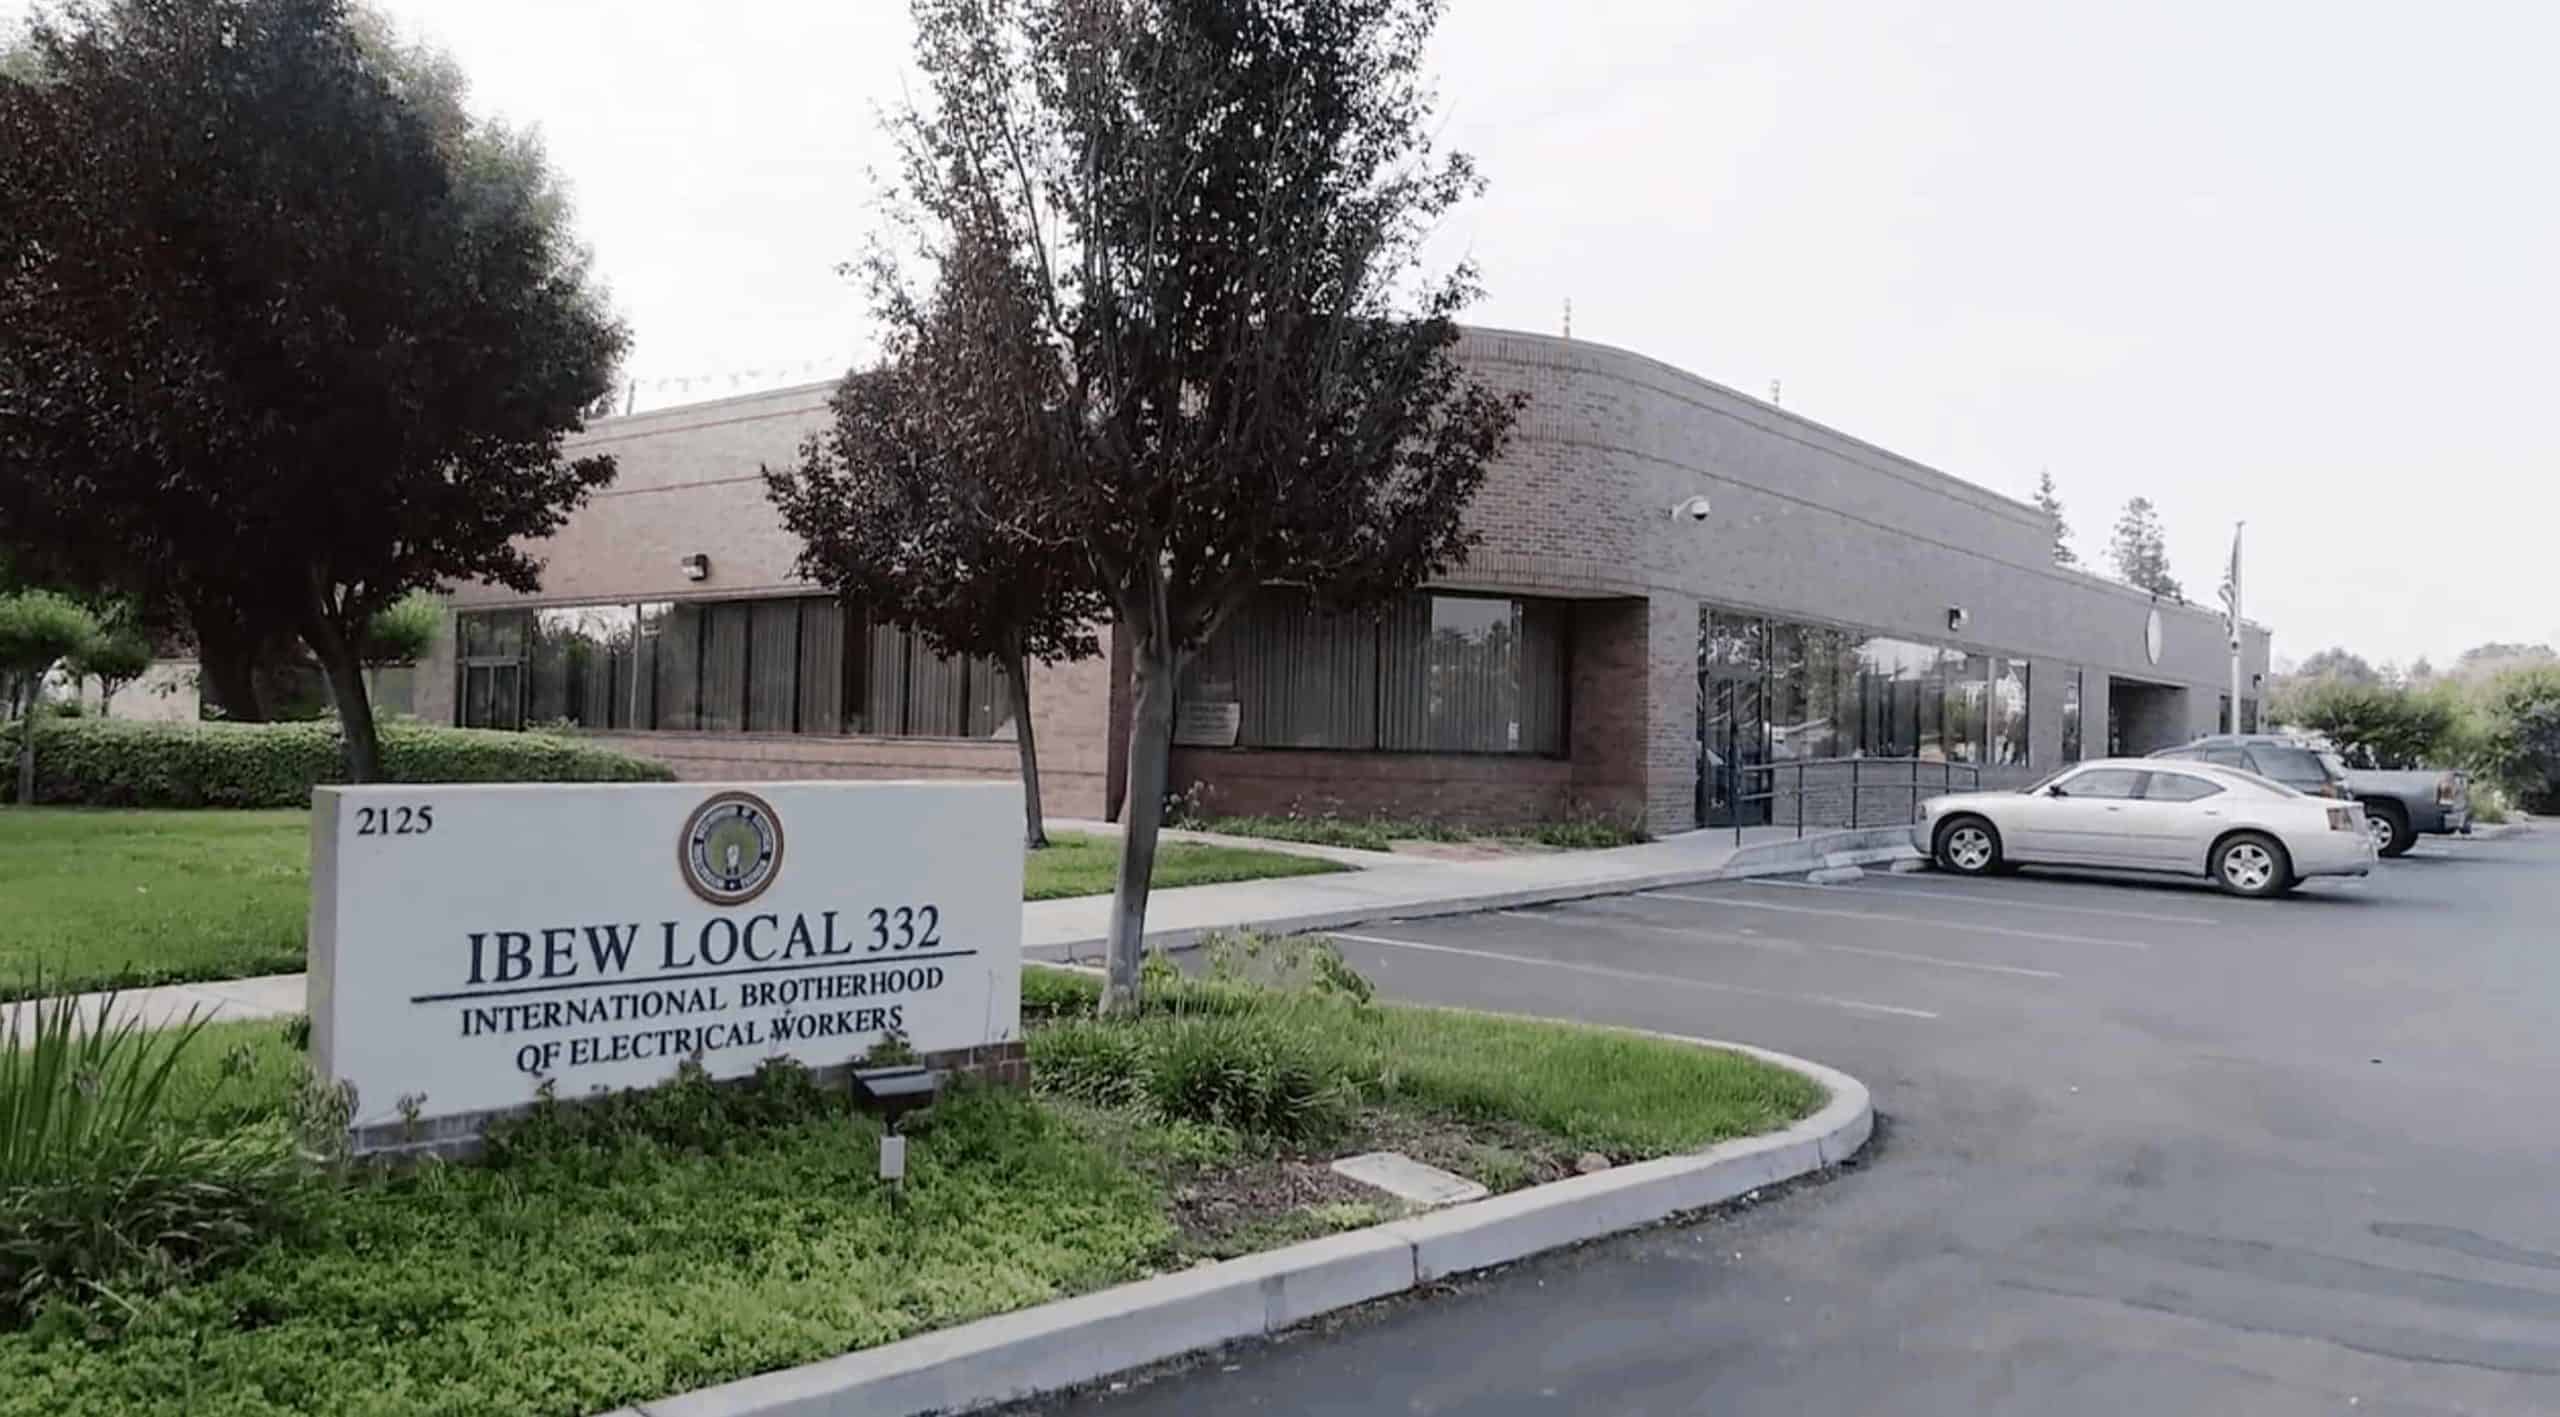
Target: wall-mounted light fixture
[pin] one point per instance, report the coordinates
(696, 567)
(1956, 619)
(1695, 509)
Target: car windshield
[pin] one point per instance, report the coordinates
(2048, 780)
(2290, 764)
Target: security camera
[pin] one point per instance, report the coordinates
(1695, 509)
(1956, 617)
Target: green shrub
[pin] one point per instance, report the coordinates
(1357, 833)
(1096, 1062)
(689, 1114)
(1235, 1070)
(105, 1193)
(111, 763)
(1057, 994)
(1246, 1072)
(1587, 833)
(405, 631)
(2488, 803)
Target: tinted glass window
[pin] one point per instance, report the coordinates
(2114, 784)
(2295, 765)
(2227, 757)
(2178, 787)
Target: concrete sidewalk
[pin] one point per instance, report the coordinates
(1395, 888)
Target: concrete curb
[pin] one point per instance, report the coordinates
(2499, 832)
(1073, 1341)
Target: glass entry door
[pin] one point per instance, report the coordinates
(1732, 738)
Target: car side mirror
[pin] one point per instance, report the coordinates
(2057, 790)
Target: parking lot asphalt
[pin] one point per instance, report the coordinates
(2148, 1149)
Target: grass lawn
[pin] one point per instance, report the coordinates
(691, 1235)
(106, 898)
(1087, 865)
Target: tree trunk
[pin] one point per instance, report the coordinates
(227, 664)
(1035, 829)
(1150, 754)
(27, 698)
(337, 653)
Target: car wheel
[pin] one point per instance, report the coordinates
(2390, 828)
(2252, 865)
(1969, 846)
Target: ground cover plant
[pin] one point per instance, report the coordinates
(662, 1240)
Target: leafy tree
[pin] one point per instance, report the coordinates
(2375, 725)
(2523, 748)
(37, 629)
(282, 333)
(2483, 664)
(2049, 502)
(2141, 550)
(2340, 664)
(114, 657)
(1217, 207)
(404, 631)
(905, 508)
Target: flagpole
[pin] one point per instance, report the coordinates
(2236, 636)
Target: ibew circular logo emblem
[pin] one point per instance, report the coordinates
(731, 848)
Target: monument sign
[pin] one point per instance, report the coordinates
(472, 943)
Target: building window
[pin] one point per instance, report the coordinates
(1834, 693)
(806, 665)
(1431, 673)
(2071, 679)
(2009, 714)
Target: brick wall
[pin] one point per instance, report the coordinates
(1478, 789)
(1809, 523)
(1606, 723)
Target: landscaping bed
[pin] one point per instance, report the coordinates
(1391, 833)
(692, 1234)
(118, 899)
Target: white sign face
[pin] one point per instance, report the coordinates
(2152, 635)
(470, 943)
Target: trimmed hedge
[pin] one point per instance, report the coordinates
(114, 763)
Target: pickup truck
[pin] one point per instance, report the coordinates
(2400, 807)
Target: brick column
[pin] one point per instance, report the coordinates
(1606, 727)
(1671, 704)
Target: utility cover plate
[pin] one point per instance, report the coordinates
(1403, 1177)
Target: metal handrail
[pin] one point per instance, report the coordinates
(1857, 783)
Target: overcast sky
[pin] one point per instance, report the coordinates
(2287, 262)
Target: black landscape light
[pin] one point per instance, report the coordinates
(895, 1090)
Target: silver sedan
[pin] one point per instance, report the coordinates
(2251, 835)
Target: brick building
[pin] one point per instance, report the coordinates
(1606, 651)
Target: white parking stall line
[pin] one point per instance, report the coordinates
(1881, 917)
(1746, 938)
(1595, 921)
(1987, 898)
(1639, 977)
